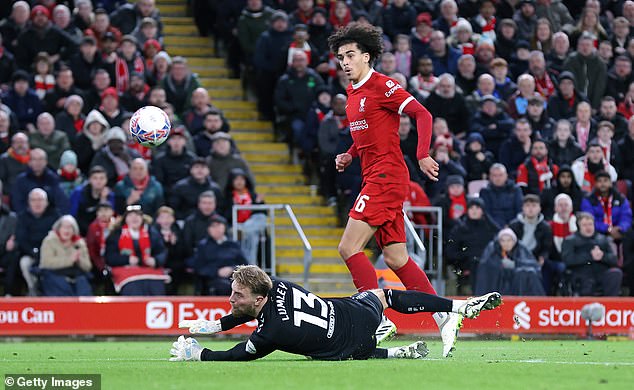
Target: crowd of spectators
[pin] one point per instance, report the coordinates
(531, 99)
(84, 208)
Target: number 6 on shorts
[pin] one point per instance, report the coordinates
(360, 203)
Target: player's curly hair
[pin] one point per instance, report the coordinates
(367, 37)
(253, 278)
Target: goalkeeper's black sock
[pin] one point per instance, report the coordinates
(414, 301)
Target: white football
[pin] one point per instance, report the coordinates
(150, 126)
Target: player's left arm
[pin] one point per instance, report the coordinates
(402, 101)
(211, 327)
(241, 352)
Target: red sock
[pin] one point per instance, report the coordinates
(414, 278)
(362, 271)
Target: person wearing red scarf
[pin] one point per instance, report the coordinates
(586, 167)
(537, 172)
(139, 187)
(611, 210)
(340, 15)
(136, 254)
(453, 202)
(98, 231)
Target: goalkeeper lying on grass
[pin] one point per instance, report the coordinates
(294, 320)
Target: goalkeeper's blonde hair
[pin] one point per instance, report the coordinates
(253, 278)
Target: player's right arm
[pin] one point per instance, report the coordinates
(245, 351)
(343, 160)
(211, 327)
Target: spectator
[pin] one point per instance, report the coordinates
(563, 104)
(558, 54)
(253, 21)
(14, 161)
(64, 261)
(443, 57)
(506, 39)
(372, 9)
(128, 61)
(626, 146)
(448, 164)
(619, 78)
(590, 258)
(485, 86)
(184, 196)
(538, 171)
(516, 149)
(585, 127)
(161, 64)
(172, 237)
(605, 139)
(43, 79)
(83, 14)
(138, 187)
(563, 224)
(196, 222)
(504, 86)
(5, 131)
(221, 161)
(294, 93)
(269, 61)
(589, 24)
(179, 85)
(518, 102)
(477, 160)
(42, 35)
(100, 82)
(586, 167)
(69, 175)
(102, 28)
(15, 24)
(90, 139)
(9, 251)
(611, 210)
(23, 101)
(216, 258)
(318, 110)
(608, 112)
(589, 71)
(134, 97)
(128, 16)
(453, 201)
(241, 191)
(38, 175)
(543, 38)
(502, 197)
(86, 198)
(53, 142)
(626, 107)
(563, 149)
(200, 106)
(62, 20)
(620, 35)
(533, 232)
(525, 19)
(212, 123)
(135, 251)
(564, 184)
(424, 82)
(304, 12)
(492, 123)
(32, 227)
(115, 156)
(448, 16)
(328, 138)
(174, 162)
(445, 102)
(466, 77)
(543, 126)
(509, 267)
(109, 107)
(466, 242)
(98, 231)
(71, 120)
(544, 82)
(403, 55)
(147, 31)
(556, 12)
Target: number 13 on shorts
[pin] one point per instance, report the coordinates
(359, 204)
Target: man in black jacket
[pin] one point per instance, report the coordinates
(532, 230)
(173, 163)
(184, 197)
(195, 228)
(590, 258)
(467, 241)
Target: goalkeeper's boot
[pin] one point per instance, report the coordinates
(385, 331)
(185, 349)
(449, 325)
(417, 350)
(472, 308)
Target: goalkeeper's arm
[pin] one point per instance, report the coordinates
(241, 352)
(210, 327)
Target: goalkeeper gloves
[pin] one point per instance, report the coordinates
(201, 326)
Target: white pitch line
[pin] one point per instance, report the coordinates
(539, 361)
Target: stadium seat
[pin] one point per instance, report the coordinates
(624, 186)
(474, 187)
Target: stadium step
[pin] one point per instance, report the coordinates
(279, 181)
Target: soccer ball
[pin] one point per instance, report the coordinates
(150, 126)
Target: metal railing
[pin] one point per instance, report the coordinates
(270, 209)
(426, 242)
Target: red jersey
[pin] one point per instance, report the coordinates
(374, 108)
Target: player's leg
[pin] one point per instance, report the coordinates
(354, 239)
(406, 269)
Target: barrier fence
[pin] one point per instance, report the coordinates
(123, 316)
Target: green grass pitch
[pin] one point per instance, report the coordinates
(476, 365)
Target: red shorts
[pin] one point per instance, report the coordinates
(381, 206)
